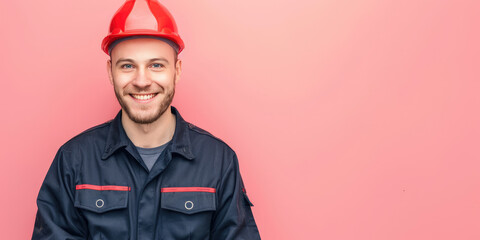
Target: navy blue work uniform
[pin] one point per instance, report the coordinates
(98, 187)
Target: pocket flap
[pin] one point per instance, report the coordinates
(188, 202)
(101, 198)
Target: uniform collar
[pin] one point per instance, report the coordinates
(180, 143)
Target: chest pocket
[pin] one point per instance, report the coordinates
(101, 199)
(188, 200)
(105, 209)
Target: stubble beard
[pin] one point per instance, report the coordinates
(146, 119)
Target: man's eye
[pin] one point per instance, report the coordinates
(157, 65)
(127, 66)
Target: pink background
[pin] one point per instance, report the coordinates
(351, 119)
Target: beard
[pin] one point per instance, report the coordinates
(143, 116)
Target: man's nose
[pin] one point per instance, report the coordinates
(142, 79)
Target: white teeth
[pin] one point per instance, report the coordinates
(143, 97)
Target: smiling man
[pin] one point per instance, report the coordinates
(144, 71)
(146, 174)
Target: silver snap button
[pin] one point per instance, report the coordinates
(188, 205)
(99, 203)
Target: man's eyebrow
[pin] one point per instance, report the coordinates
(159, 59)
(123, 60)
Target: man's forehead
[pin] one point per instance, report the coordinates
(142, 49)
(126, 39)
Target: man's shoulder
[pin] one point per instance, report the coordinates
(93, 136)
(205, 136)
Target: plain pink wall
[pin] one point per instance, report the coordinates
(352, 119)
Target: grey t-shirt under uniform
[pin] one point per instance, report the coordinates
(150, 155)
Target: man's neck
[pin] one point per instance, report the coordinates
(150, 135)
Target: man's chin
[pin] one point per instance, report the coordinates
(146, 115)
(142, 118)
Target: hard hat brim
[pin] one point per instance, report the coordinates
(113, 37)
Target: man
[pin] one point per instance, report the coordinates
(147, 174)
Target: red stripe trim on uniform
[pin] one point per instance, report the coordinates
(188, 189)
(103, 188)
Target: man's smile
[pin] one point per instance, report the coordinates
(143, 97)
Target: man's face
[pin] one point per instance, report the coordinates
(143, 72)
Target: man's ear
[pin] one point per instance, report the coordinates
(178, 70)
(109, 70)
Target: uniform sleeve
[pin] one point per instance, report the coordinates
(233, 219)
(57, 218)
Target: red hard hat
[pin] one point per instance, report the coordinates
(142, 17)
